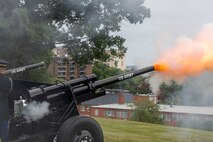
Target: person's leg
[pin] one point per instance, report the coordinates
(4, 131)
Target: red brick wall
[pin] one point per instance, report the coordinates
(84, 110)
(101, 113)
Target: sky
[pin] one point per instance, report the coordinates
(169, 20)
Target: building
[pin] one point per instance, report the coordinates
(131, 67)
(172, 115)
(142, 97)
(183, 116)
(115, 111)
(117, 104)
(62, 66)
(113, 96)
(118, 63)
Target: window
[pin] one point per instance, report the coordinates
(179, 117)
(96, 112)
(118, 114)
(82, 108)
(168, 117)
(109, 113)
(122, 114)
(209, 118)
(174, 117)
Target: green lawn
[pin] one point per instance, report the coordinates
(129, 131)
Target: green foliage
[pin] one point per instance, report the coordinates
(86, 27)
(40, 75)
(104, 71)
(21, 40)
(146, 111)
(30, 29)
(143, 87)
(168, 92)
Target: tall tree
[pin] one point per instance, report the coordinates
(28, 29)
(90, 25)
(146, 111)
(22, 41)
(169, 92)
(85, 27)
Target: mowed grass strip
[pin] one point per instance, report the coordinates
(130, 131)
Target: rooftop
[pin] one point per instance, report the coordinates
(127, 106)
(164, 108)
(109, 98)
(187, 109)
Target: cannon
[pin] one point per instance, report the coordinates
(61, 121)
(24, 68)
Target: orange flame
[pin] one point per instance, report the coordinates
(161, 67)
(189, 56)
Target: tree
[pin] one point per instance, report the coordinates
(23, 41)
(168, 92)
(143, 87)
(84, 27)
(146, 111)
(30, 29)
(103, 71)
(90, 25)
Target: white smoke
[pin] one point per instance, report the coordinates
(198, 90)
(35, 111)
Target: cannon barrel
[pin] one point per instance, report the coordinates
(21, 69)
(115, 79)
(58, 87)
(88, 79)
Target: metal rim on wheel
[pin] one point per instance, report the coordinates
(84, 136)
(80, 129)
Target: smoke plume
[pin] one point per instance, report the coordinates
(190, 62)
(197, 91)
(189, 56)
(35, 111)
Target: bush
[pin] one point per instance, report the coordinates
(146, 111)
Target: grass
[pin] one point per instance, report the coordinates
(130, 131)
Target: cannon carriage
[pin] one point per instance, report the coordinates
(61, 122)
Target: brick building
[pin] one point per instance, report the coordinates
(119, 63)
(62, 66)
(117, 104)
(172, 115)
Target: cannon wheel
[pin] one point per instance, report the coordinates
(80, 129)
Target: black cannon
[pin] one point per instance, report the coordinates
(24, 68)
(61, 121)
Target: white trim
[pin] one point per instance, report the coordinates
(165, 108)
